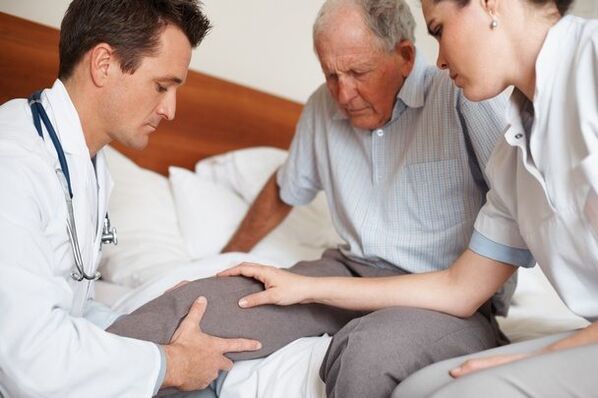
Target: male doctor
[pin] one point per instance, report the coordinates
(121, 62)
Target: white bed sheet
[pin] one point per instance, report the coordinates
(151, 259)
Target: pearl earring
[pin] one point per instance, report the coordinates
(494, 24)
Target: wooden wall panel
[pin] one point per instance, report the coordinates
(213, 115)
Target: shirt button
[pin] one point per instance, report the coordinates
(379, 132)
(518, 136)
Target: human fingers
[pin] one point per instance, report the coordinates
(261, 298)
(237, 345)
(226, 364)
(194, 316)
(250, 270)
(474, 365)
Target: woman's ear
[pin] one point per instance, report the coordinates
(491, 7)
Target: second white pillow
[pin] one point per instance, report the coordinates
(208, 213)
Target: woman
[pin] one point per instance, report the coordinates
(543, 197)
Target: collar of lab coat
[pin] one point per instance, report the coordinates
(556, 46)
(547, 64)
(66, 120)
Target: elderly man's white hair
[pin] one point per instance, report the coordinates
(390, 20)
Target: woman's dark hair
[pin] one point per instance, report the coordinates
(562, 5)
(132, 27)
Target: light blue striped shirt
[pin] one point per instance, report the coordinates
(402, 195)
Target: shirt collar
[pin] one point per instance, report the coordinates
(66, 120)
(546, 67)
(549, 57)
(517, 102)
(411, 94)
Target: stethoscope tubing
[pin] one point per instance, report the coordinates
(39, 115)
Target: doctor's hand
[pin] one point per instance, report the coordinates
(281, 287)
(193, 358)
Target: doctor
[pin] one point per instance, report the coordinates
(121, 62)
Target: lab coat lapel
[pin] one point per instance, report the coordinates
(83, 180)
(105, 185)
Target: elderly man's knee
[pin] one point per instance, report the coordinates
(356, 355)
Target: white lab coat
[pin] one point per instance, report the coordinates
(47, 347)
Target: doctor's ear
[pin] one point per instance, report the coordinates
(102, 60)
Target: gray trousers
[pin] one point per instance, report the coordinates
(565, 373)
(369, 354)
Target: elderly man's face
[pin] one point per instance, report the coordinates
(363, 78)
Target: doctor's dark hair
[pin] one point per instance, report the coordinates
(562, 5)
(131, 27)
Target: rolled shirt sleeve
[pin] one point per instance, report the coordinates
(298, 177)
(496, 235)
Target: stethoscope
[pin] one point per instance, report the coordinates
(108, 232)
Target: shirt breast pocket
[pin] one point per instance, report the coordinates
(438, 193)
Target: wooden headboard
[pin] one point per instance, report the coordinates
(213, 116)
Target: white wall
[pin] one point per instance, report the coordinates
(264, 44)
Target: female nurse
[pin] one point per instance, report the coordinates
(543, 198)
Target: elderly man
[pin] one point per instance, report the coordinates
(398, 151)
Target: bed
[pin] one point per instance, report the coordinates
(176, 204)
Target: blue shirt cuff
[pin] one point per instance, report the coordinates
(162, 373)
(496, 251)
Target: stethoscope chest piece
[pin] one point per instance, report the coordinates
(109, 235)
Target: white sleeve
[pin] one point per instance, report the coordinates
(497, 234)
(44, 351)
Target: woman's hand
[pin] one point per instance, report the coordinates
(474, 365)
(281, 287)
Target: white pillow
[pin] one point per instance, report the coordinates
(142, 209)
(245, 172)
(208, 213)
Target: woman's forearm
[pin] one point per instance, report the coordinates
(588, 335)
(458, 291)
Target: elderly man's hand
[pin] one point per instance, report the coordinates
(195, 358)
(281, 287)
